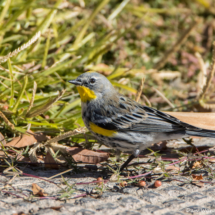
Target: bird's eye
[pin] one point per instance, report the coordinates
(92, 80)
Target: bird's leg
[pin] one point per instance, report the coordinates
(136, 152)
(127, 162)
(118, 152)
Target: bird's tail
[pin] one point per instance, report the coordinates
(201, 133)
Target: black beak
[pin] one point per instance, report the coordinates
(75, 82)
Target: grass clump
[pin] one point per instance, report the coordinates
(46, 43)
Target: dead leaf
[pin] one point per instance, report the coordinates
(157, 170)
(159, 146)
(172, 168)
(212, 160)
(87, 156)
(201, 120)
(197, 177)
(27, 139)
(199, 184)
(38, 191)
(20, 213)
(114, 177)
(197, 164)
(57, 208)
(50, 161)
(2, 139)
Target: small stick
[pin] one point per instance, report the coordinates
(203, 73)
(140, 90)
(9, 124)
(147, 101)
(164, 97)
(210, 77)
(68, 170)
(32, 98)
(65, 135)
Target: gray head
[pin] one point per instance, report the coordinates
(94, 82)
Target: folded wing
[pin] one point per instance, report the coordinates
(124, 114)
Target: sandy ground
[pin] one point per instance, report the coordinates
(174, 197)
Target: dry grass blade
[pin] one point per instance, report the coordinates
(202, 77)
(32, 98)
(176, 46)
(12, 171)
(33, 152)
(172, 168)
(147, 101)
(21, 48)
(7, 122)
(2, 139)
(164, 97)
(211, 75)
(168, 75)
(67, 134)
(209, 105)
(68, 170)
(140, 90)
(46, 107)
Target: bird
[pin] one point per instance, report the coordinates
(124, 124)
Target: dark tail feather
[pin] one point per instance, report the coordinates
(201, 133)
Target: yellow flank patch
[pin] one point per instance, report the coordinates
(86, 94)
(102, 131)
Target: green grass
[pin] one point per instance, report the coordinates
(122, 39)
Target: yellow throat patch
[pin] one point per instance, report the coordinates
(102, 131)
(86, 94)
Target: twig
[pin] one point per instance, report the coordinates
(203, 73)
(32, 98)
(147, 101)
(176, 46)
(139, 92)
(12, 194)
(68, 170)
(65, 135)
(211, 75)
(138, 176)
(164, 97)
(8, 123)
(78, 196)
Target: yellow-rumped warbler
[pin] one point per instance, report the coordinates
(123, 124)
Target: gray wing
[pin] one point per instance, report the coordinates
(125, 114)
